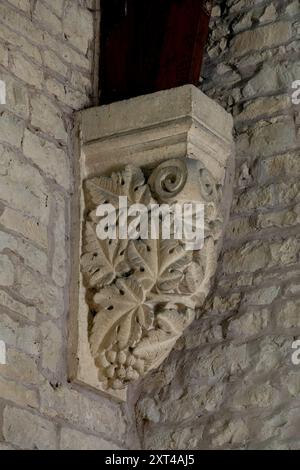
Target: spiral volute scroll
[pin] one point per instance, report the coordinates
(168, 179)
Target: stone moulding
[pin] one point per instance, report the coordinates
(131, 300)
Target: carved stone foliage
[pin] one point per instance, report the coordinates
(142, 294)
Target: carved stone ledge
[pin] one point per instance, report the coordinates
(133, 299)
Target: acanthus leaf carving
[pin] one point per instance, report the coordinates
(142, 294)
(102, 262)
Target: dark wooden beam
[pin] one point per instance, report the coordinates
(150, 45)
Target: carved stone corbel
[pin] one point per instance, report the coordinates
(135, 297)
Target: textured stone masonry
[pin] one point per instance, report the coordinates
(231, 383)
(47, 62)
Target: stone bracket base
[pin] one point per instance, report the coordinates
(132, 300)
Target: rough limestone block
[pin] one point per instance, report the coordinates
(75, 440)
(78, 26)
(47, 117)
(28, 431)
(21, 368)
(266, 36)
(26, 338)
(27, 71)
(79, 409)
(52, 160)
(11, 129)
(28, 227)
(47, 18)
(22, 4)
(6, 271)
(18, 394)
(51, 346)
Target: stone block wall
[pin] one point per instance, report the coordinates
(47, 62)
(231, 382)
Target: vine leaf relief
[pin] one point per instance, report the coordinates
(142, 294)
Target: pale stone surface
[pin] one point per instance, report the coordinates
(52, 346)
(7, 302)
(47, 76)
(281, 218)
(292, 381)
(25, 338)
(67, 95)
(28, 431)
(264, 107)
(17, 99)
(293, 289)
(6, 447)
(21, 367)
(261, 396)
(52, 160)
(225, 304)
(57, 6)
(40, 292)
(267, 36)
(186, 108)
(263, 296)
(11, 129)
(287, 164)
(216, 11)
(80, 410)
(22, 186)
(22, 4)
(46, 17)
(20, 23)
(272, 351)
(293, 8)
(273, 138)
(70, 55)
(174, 438)
(60, 235)
(235, 432)
(53, 61)
(249, 324)
(286, 251)
(269, 14)
(16, 39)
(281, 425)
(251, 199)
(288, 316)
(32, 256)
(74, 440)
(6, 271)
(81, 82)
(243, 23)
(78, 26)
(27, 71)
(250, 258)
(3, 55)
(11, 391)
(232, 346)
(29, 227)
(47, 117)
(185, 101)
